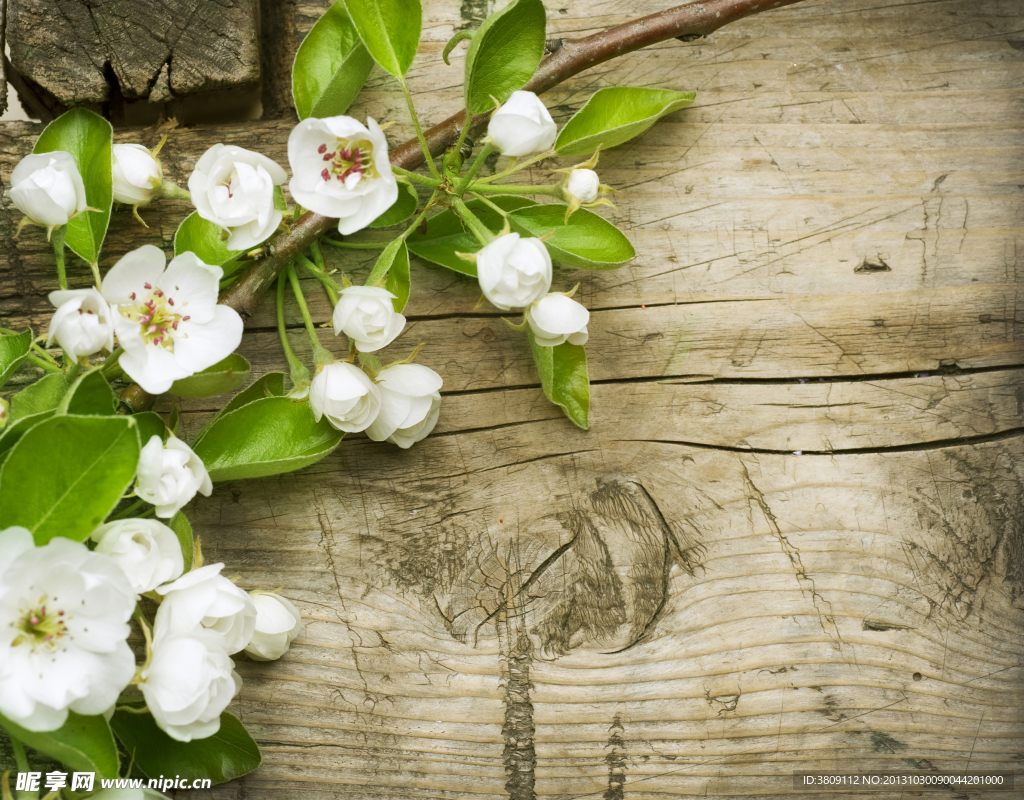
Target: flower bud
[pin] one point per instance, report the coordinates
(278, 623)
(522, 126)
(205, 598)
(137, 174)
(514, 271)
(147, 550)
(82, 324)
(169, 475)
(555, 319)
(366, 315)
(346, 396)
(583, 184)
(410, 404)
(48, 189)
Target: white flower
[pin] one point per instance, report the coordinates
(522, 126)
(278, 623)
(583, 184)
(169, 475)
(366, 315)
(168, 320)
(189, 682)
(204, 598)
(340, 169)
(147, 550)
(47, 188)
(234, 188)
(514, 272)
(137, 174)
(346, 396)
(555, 319)
(64, 615)
(410, 404)
(82, 324)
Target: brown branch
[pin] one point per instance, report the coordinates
(571, 57)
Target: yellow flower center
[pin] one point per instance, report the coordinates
(348, 158)
(42, 626)
(158, 316)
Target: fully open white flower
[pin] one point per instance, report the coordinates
(82, 324)
(64, 615)
(555, 319)
(168, 320)
(189, 682)
(583, 184)
(340, 169)
(47, 188)
(147, 550)
(204, 598)
(522, 126)
(410, 404)
(366, 315)
(169, 475)
(234, 188)
(278, 623)
(136, 174)
(514, 271)
(346, 396)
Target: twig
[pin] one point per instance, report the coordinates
(686, 22)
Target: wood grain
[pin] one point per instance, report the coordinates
(793, 539)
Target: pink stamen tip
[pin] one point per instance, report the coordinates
(185, 319)
(47, 637)
(158, 293)
(170, 301)
(151, 329)
(60, 613)
(157, 340)
(322, 148)
(33, 620)
(329, 156)
(325, 175)
(147, 286)
(175, 325)
(132, 295)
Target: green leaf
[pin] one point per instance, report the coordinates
(445, 235)
(14, 349)
(399, 283)
(394, 255)
(403, 208)
(66, 474)
(563, 376)
(265, 437)
(89, 395)
(330, 67)
(183, 530)
(269, 385)
(224, 376)
(206, 240)
(616, 115)
(82, 743)
(504, 54)
(15, 430)
(89, 139)
(228, 754)
(43, 395)
(587, 241)
(149, 424)
(390, 29)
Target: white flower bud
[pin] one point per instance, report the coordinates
(147, 550)
(366, 315)
(47, 188)
(583, 184)
(555, 319)
(340, 169)
(513, 271)
(522, 126)
(410, 404)
(346, 396)
(82, 324)
(234, 188)
(278, 623)
(189, 682)
(169, 475)
(136, 174)
(204, 598)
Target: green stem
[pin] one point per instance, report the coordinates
(19, 755)
(474, 168)
(476, 227)
(355, 245)
(320, 354)
(43, 363)
(171, 190)
(57, 239)
(419, 131)
(128, 512)
(550, 189)
(72, 368)
(492, 205)
(519, 165)
(330, 285)
(111, 367)
(298, 371)
(43, 354)
(415, 177)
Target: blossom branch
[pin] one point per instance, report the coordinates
(569, 57)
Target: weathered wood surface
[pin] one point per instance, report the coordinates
(674, 603)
